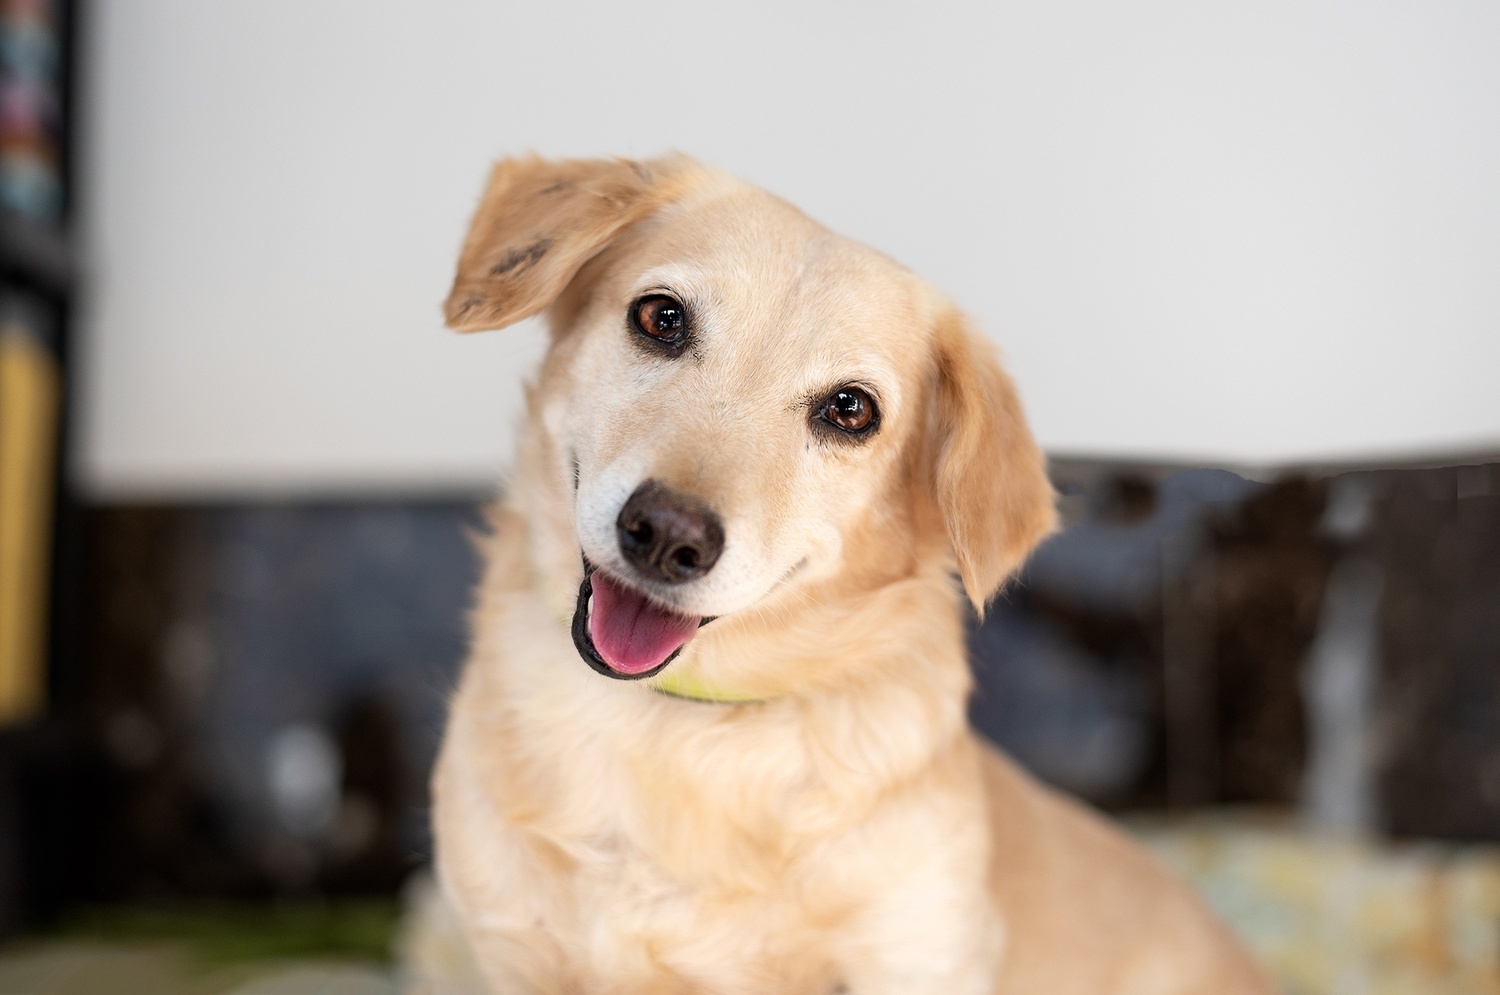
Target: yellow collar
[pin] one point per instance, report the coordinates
(685, 684)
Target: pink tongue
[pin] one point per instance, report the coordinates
(630, 633)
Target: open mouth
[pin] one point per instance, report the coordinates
(621, 633)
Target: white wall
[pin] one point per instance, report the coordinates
(1233, 233)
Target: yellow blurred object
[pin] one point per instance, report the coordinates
(1333, 914)
(29, 395)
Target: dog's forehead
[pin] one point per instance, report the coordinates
(750, 257)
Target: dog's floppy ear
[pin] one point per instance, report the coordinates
(990, 478)
(539, 221)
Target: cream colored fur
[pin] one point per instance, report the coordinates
(848, 833)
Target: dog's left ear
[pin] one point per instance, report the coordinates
(539, 222)
(990, 477)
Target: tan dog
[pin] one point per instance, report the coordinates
(712, 734)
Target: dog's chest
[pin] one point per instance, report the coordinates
(844, 917)
(637, 919)
(676, 851)
(669, 885)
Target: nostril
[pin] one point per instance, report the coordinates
(640, 532)
(686, 557)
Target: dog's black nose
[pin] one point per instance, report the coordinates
(669, 536)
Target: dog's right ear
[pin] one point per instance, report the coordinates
(539, 222)
(991, 479)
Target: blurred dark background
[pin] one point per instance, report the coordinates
(255, 692)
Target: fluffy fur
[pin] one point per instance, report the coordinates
(847, 832)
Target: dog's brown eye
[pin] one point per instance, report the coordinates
(661, 317)
(850, 409)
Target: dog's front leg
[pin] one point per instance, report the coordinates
(964, 962)
(929, 926)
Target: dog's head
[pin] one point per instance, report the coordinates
(739, 403)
